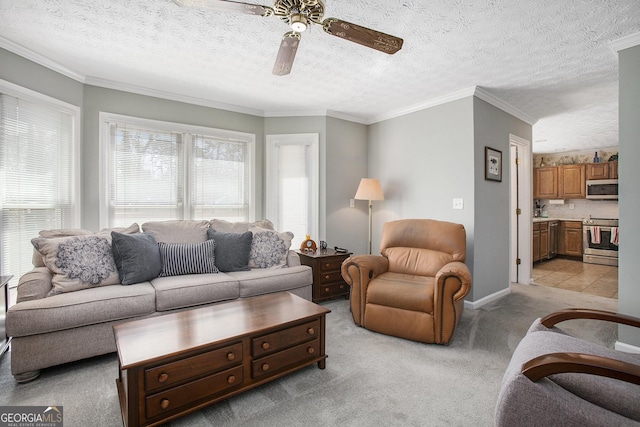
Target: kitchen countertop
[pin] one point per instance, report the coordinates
(540, 219)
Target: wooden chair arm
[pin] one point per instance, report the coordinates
(557, 363)
(585, 313)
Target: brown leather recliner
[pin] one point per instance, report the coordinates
(416, 288)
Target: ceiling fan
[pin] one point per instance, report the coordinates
(299, 15)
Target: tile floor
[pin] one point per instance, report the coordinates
(577, 276)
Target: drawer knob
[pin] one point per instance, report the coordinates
(311, 350)
(163, 377)
(265, 346)
(231, 379)
(311, 331)
(164, 403)
(326, 277)
(327, 265)
(231, 356)
(326, 289)
(341, 286)
(265, 367)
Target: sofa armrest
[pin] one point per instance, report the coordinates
(583, 313)
(452, 284)
(358, 271)
(293, 259)
(34, 284)
(557, 363)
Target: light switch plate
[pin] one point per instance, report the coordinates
(458, 204)
(352, 203)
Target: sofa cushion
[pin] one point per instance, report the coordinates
(187, 258)
(77, 309)
(78, 262)
(193, 289)
(269, 249)
(261, 281)
(177, 231)
(137, 257)
(232, 250)
(238, 227)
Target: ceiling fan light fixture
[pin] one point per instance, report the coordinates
(298, 22)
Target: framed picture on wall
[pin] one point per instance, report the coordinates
(492, 164)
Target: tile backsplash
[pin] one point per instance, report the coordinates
(582, 208)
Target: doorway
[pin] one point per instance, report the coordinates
(520, 232)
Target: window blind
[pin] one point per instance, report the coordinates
(36, 176)
(160, 171)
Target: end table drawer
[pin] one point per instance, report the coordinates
(331, 264)
(273, 363)
(267, 344)
(192, 367)
(174, 398)
(333, 289)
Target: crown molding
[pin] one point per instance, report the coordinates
(480, 93)
(625, 42)
(39, 59)
(504, 106)
(171, 96)
(464, 93)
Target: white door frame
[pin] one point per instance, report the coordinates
(520, 225)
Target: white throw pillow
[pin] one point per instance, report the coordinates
(269, 248)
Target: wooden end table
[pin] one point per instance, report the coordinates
(327, 277)
(177, 363)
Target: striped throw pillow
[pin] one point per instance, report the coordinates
(187, 258)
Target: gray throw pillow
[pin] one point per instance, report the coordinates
(187, 258)
(232, 250)
(137, 257)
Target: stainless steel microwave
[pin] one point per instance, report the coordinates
(603, 189)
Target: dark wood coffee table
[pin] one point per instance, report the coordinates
(177, 363)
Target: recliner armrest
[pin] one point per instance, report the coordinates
(585, 313)
(460, 271)
(358, 271)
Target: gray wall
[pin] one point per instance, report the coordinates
(346, 164)
(21, 71)
(424, 160)
(629, 203)
(491, 244)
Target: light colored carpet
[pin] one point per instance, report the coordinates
(370, 379)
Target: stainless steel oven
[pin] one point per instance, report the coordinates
(600, 241)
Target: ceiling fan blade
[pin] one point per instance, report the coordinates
(227, 6)
(287, 53)
(361, 35)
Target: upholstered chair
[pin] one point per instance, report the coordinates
(415, 289)
(555, 379)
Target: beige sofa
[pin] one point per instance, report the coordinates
(51, 325)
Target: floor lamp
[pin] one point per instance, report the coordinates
(369, 189)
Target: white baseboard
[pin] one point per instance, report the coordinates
(627, 348)
(474, 305)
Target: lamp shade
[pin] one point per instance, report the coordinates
(369, 189)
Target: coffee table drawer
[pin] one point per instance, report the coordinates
(192, 367)
(276, 341)
(174, 398)
(273, 363)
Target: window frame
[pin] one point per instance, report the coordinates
(188, 132)
(75, 172)
(311, 140)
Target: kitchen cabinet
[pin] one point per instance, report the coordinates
(545, 182)
(570, 238)
(602, 170)
(545, 240)
(572, 182)
(553, 238)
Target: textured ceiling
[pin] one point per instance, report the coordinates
(549, 59)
